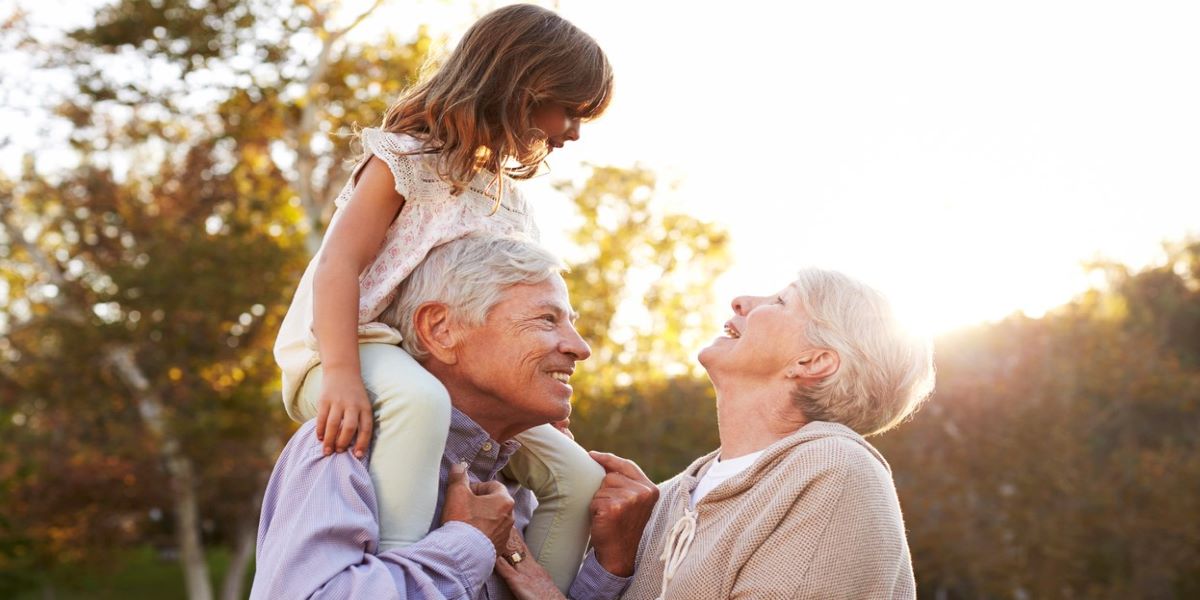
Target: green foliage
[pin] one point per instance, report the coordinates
(143, 572)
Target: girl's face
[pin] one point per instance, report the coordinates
(559, 124)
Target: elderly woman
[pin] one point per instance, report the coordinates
(795, 503)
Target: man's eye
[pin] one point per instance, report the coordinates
(550, 318)
(778, 299)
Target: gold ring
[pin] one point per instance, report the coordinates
(515, 558)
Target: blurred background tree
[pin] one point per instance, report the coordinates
(1060, 456)
(144, 286)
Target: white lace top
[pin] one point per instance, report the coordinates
(431, 216)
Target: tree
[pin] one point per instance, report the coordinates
(146, 300)
(640, 394)
(1058, 457)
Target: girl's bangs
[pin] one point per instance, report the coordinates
(594, 92)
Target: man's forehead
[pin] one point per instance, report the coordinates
(558, 307)
(550, 295)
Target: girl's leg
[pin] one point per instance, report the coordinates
(564, 479)
(412, 417)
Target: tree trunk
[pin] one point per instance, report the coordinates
(187, 530)
(239, 562)
(150, 407)
(179, 471)
(307, 127)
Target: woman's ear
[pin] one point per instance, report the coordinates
(431, 321)
(814, 365)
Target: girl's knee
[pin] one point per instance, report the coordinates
(570, 470)
(583, 475)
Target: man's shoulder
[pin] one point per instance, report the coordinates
(305, 452)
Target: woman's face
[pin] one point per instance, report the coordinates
(558, 123)
(764, 337)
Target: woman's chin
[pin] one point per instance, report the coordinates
(709, 353)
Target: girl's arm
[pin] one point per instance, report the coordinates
(350, 246)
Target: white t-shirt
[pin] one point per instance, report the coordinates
(719, 472)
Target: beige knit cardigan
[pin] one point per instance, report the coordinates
(815, 516)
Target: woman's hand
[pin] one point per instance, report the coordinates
(527, 579)
(342, 412)
(620, 510)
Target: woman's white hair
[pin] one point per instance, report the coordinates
(468, 275)
(885, 373)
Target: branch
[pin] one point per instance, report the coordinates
(70, 312)
(358, 20)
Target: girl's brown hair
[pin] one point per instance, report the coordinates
(476, 111)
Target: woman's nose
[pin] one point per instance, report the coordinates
(743, 305)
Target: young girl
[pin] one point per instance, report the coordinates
(517, 86)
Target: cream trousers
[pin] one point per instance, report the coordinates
(412, 418)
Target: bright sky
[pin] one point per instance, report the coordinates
(964, 157)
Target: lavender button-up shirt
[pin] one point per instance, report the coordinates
(318, 536)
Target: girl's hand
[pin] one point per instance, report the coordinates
(526, 578)
(343, 411)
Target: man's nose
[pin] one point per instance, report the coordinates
(575, 346)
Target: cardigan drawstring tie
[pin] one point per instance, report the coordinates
(678, 544)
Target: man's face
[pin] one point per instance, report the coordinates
(525, 351)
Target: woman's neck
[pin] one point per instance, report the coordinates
(751, 417)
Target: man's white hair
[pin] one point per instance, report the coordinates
(468, 275)
(885, 373)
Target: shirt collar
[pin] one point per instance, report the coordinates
(468, 442)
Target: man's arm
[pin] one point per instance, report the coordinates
(319, 532)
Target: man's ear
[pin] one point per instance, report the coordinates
(814, 365)
(432, 324)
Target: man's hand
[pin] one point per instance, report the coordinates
(485, 506)
(619, 511)
(527, 579)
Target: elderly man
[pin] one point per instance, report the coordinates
(318, 536)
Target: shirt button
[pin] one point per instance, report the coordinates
(487, 446)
